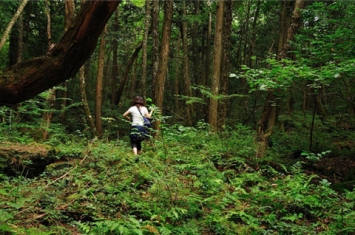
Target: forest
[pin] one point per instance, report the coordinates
(253, 130)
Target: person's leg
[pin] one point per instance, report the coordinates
(139, 147)
(134, 139)
(134, 146)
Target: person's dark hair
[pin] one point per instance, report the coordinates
(138, 100)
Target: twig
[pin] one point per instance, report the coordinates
(60, 177)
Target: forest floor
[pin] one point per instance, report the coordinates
(336, 169)
(80, 188)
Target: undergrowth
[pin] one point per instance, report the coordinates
(190, 181)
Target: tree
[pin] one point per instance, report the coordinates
(216, 72)
(145, 46)
(164, 55)
(186, 70)
(114, 61)
(267, 120)
(225, 67)
(155, 42)
(124, 78)
(69, 7)
(29, 78)
(99, 84)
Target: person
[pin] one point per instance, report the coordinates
(135, 115)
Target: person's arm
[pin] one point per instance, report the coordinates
(149, 115)
(126, 115)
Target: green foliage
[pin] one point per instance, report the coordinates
(190, 181)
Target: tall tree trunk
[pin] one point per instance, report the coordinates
(246, 34)
(216, 71)
(285, 18)
(268, 118)
(155, 41)
(177, 76)
(48, 114)
(187, 80)
(227, 31)
(69, 7)
(207, 62)
(114, 75)
(163, 56)
(145, 47)
(134, 77)
(88, 117)
(99, 84)
(253, 35)
(295, 24)
(266, 124)
(20, 39)
(197, 60)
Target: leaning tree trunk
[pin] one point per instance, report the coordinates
(29, 78)
(126, 72)
(216, 71)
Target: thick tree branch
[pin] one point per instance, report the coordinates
(25, 80)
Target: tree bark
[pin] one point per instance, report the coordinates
(164, 56)
(84, 100)
(177, 75)
(267, 120)
(186, 71)
(99, 84)
(145, 47)
(155, 42)
(253, 35)
(69, 7)
(216, 71)
(48, 114)
(285, 16)
(295, 24)
(114, 75)
(225, 69)
(29, 78)
(266, 124)
(207, 62)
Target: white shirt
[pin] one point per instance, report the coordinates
(137, 119)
